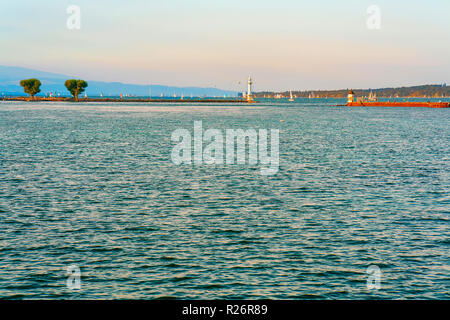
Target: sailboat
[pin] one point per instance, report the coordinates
(291, 98)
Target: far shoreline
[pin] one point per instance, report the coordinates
(137, 100)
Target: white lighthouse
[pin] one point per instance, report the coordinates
(249, 90)
(350, 97)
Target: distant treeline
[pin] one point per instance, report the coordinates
(433, 91)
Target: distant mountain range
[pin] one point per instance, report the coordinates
(53, 82)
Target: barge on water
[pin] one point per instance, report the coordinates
(353, 102)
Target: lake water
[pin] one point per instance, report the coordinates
(93, 185)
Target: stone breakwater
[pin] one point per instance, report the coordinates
(161, 100)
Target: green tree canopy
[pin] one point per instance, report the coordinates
(31, 86)
(75, 87)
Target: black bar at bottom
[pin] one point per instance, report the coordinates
(220, 309)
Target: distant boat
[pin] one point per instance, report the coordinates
(291, 98)
(372, 96)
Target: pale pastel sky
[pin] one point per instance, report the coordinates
(282, 44)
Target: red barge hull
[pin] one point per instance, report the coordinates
(399, 104)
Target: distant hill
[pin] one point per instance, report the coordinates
(431, 90)
(54, 82)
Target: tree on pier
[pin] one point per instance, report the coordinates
(31, 86)
(75, 87)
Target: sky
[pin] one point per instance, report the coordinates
(282, 44)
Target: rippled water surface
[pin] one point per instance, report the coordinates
(93, 185)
